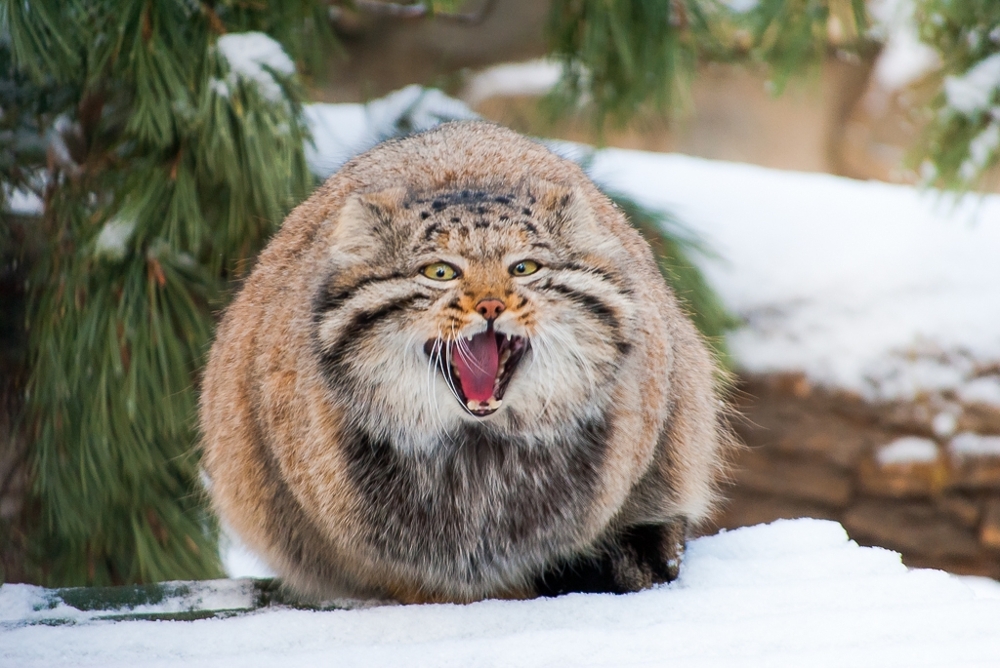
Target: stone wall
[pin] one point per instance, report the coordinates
(921, 478)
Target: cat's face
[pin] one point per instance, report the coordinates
(511, 308)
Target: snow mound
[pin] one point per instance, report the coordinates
(791, 593)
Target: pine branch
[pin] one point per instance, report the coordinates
(961, 141)
(167, 167)
(621, 59)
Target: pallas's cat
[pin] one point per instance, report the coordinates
(456, 373)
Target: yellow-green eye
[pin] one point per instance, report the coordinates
(440, 271)
(524, 268)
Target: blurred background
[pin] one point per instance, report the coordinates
(150, 148)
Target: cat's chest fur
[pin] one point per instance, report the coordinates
(477, 505)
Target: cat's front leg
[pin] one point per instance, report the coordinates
(633, 559)
(647, 554)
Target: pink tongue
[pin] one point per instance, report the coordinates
(477, 363)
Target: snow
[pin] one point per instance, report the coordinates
(981, 149)
(969, 444)
(944, 424)
(114, 236)
(341, 131)
(875, 288)
(238, 560)
(982, 587)
(907, 450)
(974, 91)
(984, 390)
(534, 77)
(26, 604)
(792, 593)
(904, 58)
(22, 202)
(254, 58)
(740, 6)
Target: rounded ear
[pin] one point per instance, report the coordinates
(363, 220)
(572, 217)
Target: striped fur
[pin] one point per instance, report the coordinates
(333, 435)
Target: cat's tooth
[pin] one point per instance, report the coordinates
(472, 405)
(508, 336)
(494, 404)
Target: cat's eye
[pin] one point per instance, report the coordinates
(440, 271)
(524, 268)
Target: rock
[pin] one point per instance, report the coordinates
(907, 467)
(811, 426)
(980, 418)
(964, 510)
(794, 478)
(975, 460)
(913, 528)
(989, 531)
(746, 508)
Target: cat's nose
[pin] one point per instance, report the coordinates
(490, 308)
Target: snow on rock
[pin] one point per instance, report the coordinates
(944, 424)
(877, 288)
(254, 57)
(984, 390)
(22, 605)
(907, 450)
(969, 444)
(792, 593)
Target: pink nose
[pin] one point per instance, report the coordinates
(490, 308)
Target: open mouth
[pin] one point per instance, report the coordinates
(479, 369)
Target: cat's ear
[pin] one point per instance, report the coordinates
(570, 215)
(364, 220)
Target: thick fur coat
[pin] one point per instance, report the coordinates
(457, 373)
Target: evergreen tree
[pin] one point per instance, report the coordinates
(173, 149)
(962, 139)
(163, 140)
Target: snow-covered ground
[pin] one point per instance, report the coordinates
(793, 593)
